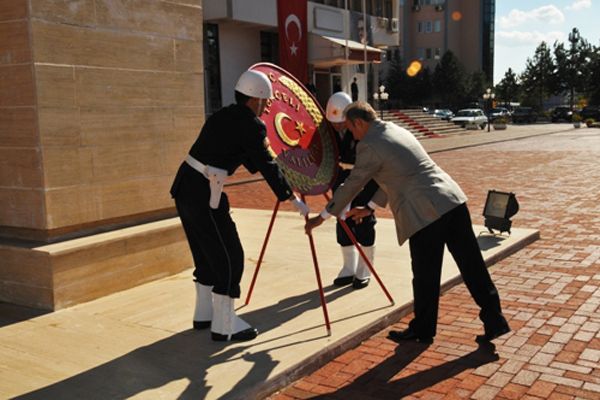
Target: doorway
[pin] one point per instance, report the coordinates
(323, 84)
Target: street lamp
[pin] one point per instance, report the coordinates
(574, 73)
(488, 96)
(381, 97)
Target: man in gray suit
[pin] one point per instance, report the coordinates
(429, 210)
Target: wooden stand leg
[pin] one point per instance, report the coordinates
(318, 274)
(262, 252)
(364, 257)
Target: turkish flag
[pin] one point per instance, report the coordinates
(293, 37)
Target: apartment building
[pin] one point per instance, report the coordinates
(466, 27)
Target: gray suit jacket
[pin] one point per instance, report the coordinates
(417, 189)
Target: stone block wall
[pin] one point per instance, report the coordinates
(100, 101)
(21, 173)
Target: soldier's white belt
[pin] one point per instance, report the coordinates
(345, 166)
(216, 178)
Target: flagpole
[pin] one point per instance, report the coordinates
(364, 7)
(346, 33)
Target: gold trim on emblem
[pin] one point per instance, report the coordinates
(281, 132)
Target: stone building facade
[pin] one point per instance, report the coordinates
(99, 102)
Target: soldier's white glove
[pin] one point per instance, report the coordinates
(300, 206)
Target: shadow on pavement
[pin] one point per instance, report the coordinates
(11, 313)
(188, 355)
(377, 383)
(487, 241)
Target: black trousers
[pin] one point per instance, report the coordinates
(363, 232)
(453, 229)
(212, 236)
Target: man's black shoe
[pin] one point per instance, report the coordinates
(343, 281)
(201, 324)
(360, 283)
(409, 334)
(490, 335)
(246, 334)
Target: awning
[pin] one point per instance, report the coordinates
(327, 51)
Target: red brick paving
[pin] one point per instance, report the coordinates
(550, 290)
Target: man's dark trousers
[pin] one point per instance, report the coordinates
(454, 230)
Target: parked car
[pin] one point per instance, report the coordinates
(561, 113)
(499, 112)
(590, 112)
(470, 116)
(444, 114)
(525, 115)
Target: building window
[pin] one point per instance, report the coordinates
(428, 27)
(437, 25)
(388, 10)
(333, 3)
(378, 8)
(428, 53)
(269, 47)
(438, 53)
(420, 53)
(420, 27)
(355, 5)
(212, 68)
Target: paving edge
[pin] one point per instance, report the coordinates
(327, 354)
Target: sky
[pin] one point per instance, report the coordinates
(521, 25)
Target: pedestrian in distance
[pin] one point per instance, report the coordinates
(354, 90)
(429, 210)
(231, 137)
(354, 269)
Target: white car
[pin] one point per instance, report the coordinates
(470, 116)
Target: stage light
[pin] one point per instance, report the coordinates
(499, 208)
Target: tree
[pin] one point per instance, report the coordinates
(537, 77)
(408, 90)
(476, 84)
(423, 86)
(568, 74)
(449, 81)
(591, 70)
(396, 82)
(508, 89)
(417, 89)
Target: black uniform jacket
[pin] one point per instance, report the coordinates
(347, 149)
(233, 136)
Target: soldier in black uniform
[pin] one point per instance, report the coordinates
(231, 137)
(355, 270)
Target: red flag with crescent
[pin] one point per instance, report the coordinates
(301, 140)
(293, 37)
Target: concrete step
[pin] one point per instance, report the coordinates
(420, 123)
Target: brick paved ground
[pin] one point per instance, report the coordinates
(550, 290)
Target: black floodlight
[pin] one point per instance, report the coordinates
(499, 208)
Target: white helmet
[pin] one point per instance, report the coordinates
(336, 105)
(254, 84)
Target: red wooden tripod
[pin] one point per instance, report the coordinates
(316, 263)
